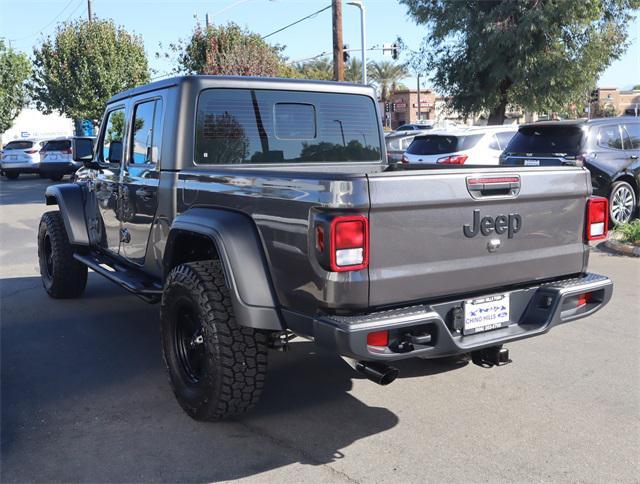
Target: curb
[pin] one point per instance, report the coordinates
(622, 248)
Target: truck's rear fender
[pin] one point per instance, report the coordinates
(70, 199)
(210, 233)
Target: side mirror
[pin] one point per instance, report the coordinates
(83, 149)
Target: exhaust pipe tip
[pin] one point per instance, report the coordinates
(377, 372)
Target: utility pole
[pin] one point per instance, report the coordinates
(338, 61)
(419, 109)
(89, 10)
(206, 20)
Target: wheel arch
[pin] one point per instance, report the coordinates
(70, 200)
(231, 237)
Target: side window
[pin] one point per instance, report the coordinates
(609, 137)
(110, 149)
(504, 137)
(493, 143)
(146, 135)
(633, 130)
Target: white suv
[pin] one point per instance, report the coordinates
(470, 146)
(21, 156)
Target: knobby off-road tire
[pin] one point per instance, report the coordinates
(216, 367)
(62, 276)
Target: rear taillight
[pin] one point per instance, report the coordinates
(349, 243)
(452, 160)
(342, 242)
(404, 158)
(66, 152)
(597, 219)
(31, 152)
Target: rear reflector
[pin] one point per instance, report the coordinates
(349, 243)
(583, 299)
(378, 338)
(452, 160)
(597, 220)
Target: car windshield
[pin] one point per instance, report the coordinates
(57, 145)
(438, 144)
(18, 145)
(546, 139)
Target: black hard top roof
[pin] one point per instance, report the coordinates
(247, 82)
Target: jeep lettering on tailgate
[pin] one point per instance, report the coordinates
(511, 224)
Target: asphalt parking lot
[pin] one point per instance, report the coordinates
(85, 397)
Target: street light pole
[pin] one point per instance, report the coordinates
(363, 37)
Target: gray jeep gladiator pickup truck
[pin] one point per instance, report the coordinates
(258, 209)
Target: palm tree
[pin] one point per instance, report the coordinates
(321, 69)
(386, 76)
(353, 71)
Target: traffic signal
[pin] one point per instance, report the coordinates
(345, 53)
(386, 107)
(395, 51)
(594, 96)
(393, 107)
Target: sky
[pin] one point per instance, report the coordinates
(161, 22)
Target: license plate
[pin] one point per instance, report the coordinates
(486, 313)
(13, 158)
(531, 162)
(52, 157)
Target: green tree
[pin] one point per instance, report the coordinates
(540, 55)
(83, 65)
(228, 50)
(353, 70)
(318, 69)
(14, 71)
(386, 76)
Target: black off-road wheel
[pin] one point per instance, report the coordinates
(63, 277)
(216, 367)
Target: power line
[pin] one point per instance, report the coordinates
(297, 22)
(48, 24)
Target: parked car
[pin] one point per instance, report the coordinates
(608, 147)
(398, 142)
(413, 127)
(461, 146)
(259, 217)
(21, 156)
(57, 156)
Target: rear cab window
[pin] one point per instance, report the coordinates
(243, 126)
(437, 144)
(547, 139)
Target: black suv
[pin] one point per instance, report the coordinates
(608, 147)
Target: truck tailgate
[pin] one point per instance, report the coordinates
(419, 248)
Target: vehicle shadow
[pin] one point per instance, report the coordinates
(26, 189)
(85, 398)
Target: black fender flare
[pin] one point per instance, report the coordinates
(70, 199)
(239, 247)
